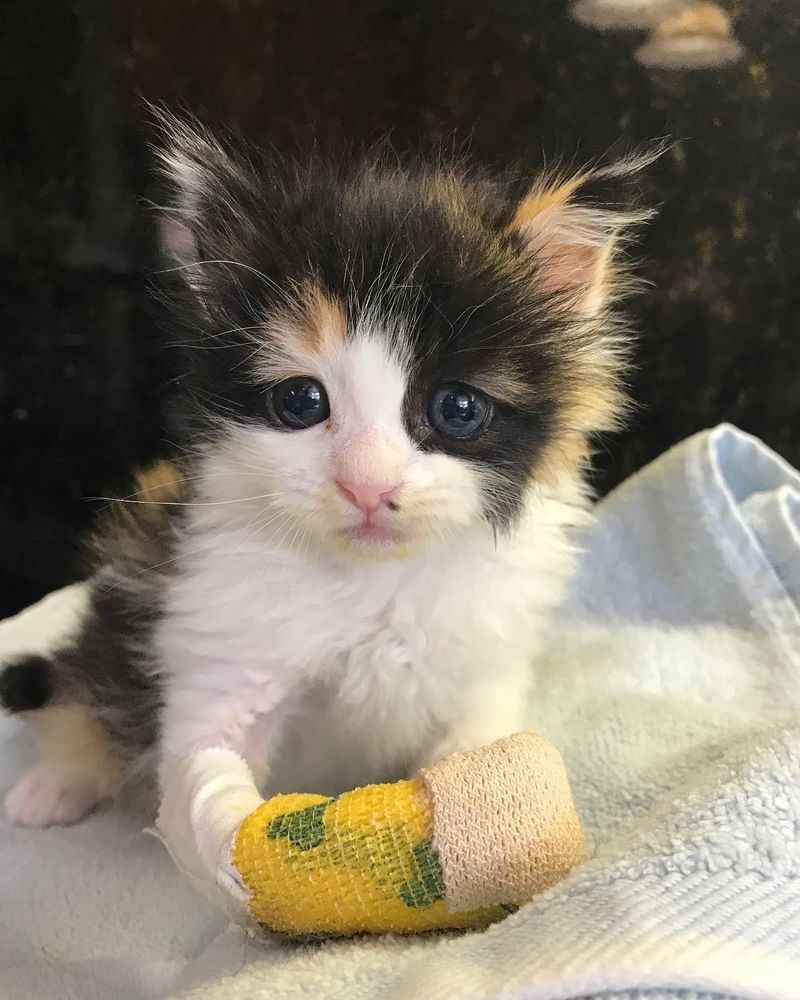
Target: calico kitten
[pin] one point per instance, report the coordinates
(391, 374)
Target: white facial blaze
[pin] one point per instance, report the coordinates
(364, 441)
(366, 391)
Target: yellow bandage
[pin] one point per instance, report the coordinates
(361, 862)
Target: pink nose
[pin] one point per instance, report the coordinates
(368, 497)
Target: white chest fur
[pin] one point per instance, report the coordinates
(330, 670)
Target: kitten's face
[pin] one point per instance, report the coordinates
(386, 357)
(349, 456)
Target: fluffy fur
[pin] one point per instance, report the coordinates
(242, 596)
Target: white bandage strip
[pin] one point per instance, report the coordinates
(206, 798)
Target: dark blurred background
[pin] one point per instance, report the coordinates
(80, 389)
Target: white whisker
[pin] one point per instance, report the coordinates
(232, 263)
(188, 503)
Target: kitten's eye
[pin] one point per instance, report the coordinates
(301, 402)
(459, 412)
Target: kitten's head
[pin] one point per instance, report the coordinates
(384, 354)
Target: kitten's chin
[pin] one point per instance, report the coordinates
(373, 534)
(373, 541)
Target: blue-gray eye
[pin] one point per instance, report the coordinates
(459, 412)
(301, 402)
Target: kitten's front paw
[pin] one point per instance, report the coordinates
(47, 795)
(449, 744)
(461, 739)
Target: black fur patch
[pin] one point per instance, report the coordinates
(26, 684)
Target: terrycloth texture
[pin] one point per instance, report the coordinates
(93, 912)
(671, 687)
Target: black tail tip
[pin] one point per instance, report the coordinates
(26, 684)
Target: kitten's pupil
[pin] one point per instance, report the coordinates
(458, 407)
(459, 411)
(301, 402)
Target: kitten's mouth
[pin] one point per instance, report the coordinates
(370, 533)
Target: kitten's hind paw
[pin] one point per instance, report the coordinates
(51, 795)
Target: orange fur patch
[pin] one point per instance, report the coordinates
(565, 457)
(324, 321)
(593, 407)
(155, 485)
(136, 534)
(588, 408)
(309, 323)
(543, 196)
(160, 482)
(72, 735)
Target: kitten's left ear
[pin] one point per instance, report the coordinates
(574, 227)
(205, 182)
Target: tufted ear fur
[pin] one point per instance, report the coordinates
(208, 187)
(575, 226)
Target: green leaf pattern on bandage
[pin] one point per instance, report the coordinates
(426, 885)
(304, 828)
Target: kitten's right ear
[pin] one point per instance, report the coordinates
(573, 227)
(200, 175)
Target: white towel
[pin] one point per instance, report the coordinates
(672, 687)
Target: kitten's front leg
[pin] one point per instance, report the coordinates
(209, 772)
(489, 710)
(221, 711)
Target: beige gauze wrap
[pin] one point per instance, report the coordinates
(504, 822)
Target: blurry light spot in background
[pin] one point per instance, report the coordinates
(613, 14)
(698, 38)
(683, 35)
